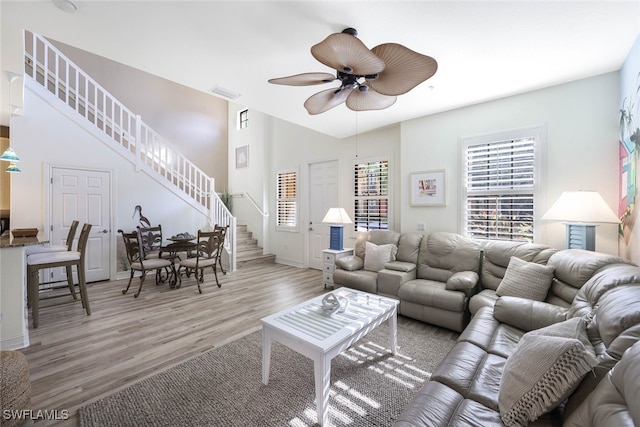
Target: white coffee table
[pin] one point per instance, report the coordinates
(310, 331)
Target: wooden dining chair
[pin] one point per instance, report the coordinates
(208, 246)
(68, 259)
(134, 247)
(223, 229)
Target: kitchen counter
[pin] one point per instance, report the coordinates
(8, 241)
(14, 331)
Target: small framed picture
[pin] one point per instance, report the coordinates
(428, 188)
(242, 157)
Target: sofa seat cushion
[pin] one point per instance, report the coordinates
(362, 280)
(438, 405)
(489, 334)
(433, 294)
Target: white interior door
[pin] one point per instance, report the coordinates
(323, 194)
(84, 195)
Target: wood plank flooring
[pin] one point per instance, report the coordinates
(75, 359)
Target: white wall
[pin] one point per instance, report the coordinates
(44, 136)
(582, 150)
(582, 153)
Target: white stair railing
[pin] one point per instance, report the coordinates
(133, 138)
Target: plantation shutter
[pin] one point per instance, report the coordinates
(500, 184)
(287, 206)
(371, 195)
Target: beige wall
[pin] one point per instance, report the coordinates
(194, 122)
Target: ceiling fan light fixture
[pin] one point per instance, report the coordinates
(379, 74)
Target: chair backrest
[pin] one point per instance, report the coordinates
(151, 238)
(132, 246)
(82, 241)
(72, 233)
(223, 229)
(208, 243)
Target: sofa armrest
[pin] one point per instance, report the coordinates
(350, 263)
(527, 314)
(400, 266)
(462, 281)
(390, 281)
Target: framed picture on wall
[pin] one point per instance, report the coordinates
(428, 188)
(242, 157)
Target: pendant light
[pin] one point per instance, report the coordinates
(9, 155)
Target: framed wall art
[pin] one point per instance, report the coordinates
(242, 157)
(428, 188)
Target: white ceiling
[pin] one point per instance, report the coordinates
(485, 50)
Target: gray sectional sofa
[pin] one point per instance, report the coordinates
(552, 338)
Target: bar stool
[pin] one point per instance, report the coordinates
(37, 249)
(68, 259)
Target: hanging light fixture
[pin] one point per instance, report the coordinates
(9, 155)
(13, 168)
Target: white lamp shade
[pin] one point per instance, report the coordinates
(337, 216)
(581, 206)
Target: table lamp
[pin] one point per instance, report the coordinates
(581, 210)
(336, 217)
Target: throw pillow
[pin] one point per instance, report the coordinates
(526, 280)
(376, 256)
(545, 368)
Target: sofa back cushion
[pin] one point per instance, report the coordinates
(613, 402)
(442, 254)
(497, 254)
(605, 279)
(572, 269)
(409, 247)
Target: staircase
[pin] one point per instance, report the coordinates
(247, 249)
(92, 107)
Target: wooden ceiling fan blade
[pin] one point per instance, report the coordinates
(304, 79)
(346, 53)
(404, 70)
(326, 100)
(365, 100)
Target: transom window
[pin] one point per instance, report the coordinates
(500, 182)
(371, 195)
(243, 119)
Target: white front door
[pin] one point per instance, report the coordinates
(323, 194)
(84, 195)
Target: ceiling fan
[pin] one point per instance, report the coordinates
(369, 79)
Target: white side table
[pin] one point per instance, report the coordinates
(329, 257)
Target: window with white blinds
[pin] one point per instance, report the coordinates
(500, 188)
(371, 195)
(287, 203)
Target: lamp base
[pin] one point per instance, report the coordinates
(335, 237)
(581, 236)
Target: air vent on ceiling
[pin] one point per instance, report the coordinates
(227, 93)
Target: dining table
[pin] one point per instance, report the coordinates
(177, 245)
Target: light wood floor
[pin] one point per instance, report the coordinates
(75, 359)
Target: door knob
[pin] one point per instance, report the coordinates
(103, 231)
